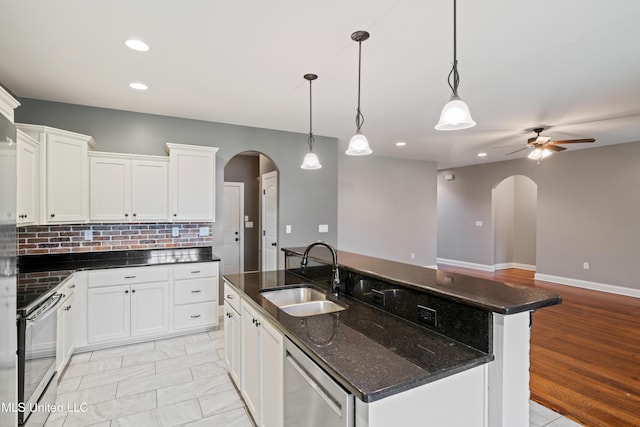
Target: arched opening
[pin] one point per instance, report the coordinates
(514, 203)
(250, 219)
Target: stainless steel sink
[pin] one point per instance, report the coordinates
(301, 300)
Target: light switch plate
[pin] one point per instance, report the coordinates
(248, 224)
(175, 232)
(88, 235)
(323, 228)
(287, 228)
(479, 223)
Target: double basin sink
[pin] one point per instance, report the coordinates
(301, 300)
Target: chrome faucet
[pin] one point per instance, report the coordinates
(335, 282)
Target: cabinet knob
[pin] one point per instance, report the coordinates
(257, 323)
(126, 215)
(53, 215)
(133, 291)
(274, 244)
(72, 286)
(175, 214)
(229, 296)
(126, 292)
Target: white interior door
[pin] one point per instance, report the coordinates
(269, 221)
(233, 229)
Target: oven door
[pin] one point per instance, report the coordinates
(37, 354)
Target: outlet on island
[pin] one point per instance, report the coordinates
(427, 315)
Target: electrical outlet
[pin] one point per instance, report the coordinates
(323, 228)
(175, 232)
(203, 231)
(585, 265)
(287, 229)
(413, 256)
(427, 315)
(88, 235)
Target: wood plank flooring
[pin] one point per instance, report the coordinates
(585, 352)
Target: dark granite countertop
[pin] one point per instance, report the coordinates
(40, 275)
(485, 294)
(370, 352)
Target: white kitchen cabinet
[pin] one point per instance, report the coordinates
(261, 381)
(28, 167)
(192, 171)
(272, 374)
(128, 188)
(232, 334)
(250, 360)
(64, 177)
(127, 302)
(195, 295)
(66, 325)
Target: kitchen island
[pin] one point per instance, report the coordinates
(414, 343)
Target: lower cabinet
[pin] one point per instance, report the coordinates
(262, 367)
(66, 327)
(232, 345)
(195, 295)
(121, 311)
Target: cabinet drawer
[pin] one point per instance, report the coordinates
(196, 270)
(232, 297)
(195, 290)
(195, 315)
(119, 276)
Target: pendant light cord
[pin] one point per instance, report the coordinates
(310, 119)
(454, 70)
(359, 116)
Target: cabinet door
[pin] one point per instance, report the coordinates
(232, 345)
(192, 180)
(272, 369)
(110, 193)
(108, 312)
(28, 179)
(250, 360)
(67, 187)
(149, 308)
(66, 326)
(149, 190)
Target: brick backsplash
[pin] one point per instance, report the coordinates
(55, 239)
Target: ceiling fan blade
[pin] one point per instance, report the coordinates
(514, 152)
(574, 141)
(534, 139)
(508, 146)
(553, 147)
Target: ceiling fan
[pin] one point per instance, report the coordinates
(543, 146)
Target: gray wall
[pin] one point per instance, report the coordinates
(387, 208)
(306, 198)
(503, 221)
(588, 209)
(246, 169)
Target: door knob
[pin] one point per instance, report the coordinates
(237, 239)
(274, 244)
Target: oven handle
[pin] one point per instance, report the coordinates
(45, 308)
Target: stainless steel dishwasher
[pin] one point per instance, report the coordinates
(311, 397)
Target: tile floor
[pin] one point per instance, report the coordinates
(178, 381)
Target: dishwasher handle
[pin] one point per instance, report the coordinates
(335, 406)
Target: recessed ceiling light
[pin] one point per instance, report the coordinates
(138, 86)
(482, 154)
(138, 45)
(400, 144)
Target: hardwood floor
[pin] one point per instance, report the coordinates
(585, 352)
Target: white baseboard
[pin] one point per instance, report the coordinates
(595, 286)
(518, 265)
(465, 264)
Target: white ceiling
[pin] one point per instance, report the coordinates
(571, 65)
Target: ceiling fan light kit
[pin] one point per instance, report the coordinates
(359, 145)
(455, 115)
(543, 146)
(311, 160)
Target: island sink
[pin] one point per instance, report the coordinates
(301, 300)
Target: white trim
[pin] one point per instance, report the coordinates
(506, 265)
(240, 186)
(604, 287)
(465, 264)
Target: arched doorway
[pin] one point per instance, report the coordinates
(245, 210)
(514, 203)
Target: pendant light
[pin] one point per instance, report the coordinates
(311, 160)
(358, 145)
(455, 114)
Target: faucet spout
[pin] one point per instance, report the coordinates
(335, 281)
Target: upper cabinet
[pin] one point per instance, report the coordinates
(28, 167)
(192, 171)
(64, 185)
(128, 187)
(7, 104)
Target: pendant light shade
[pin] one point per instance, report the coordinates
(311, 160)
(455, 114)
(359, 145)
